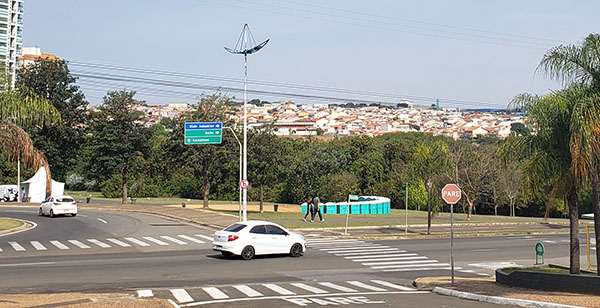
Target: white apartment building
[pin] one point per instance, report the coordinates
(11, 33)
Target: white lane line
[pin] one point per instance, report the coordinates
(102, 220)
(353, 248)
(79, 244)
(181, 295)
(409, 265)
(399, 262)
(467, 271)
(208, 238)
(97, 242)
(366, 286)
(59, 245)
(16, 246)
(309, 288)
(189, 238)
(155, 241)
(248, 291)
(484, 250)
(26, 264)
(420, 269)
(371, 252)
(336, 287)
(116, 241)
(37, 245)
(278, 289)
(174, 240)
(215, 293)
(392, 285)
(399, 254)
(136, 241)
(390, 259)
(0, 249)
(145, 293)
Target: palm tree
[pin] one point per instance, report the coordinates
(581, 65)
(22, 108)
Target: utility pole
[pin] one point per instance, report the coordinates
(406, 209)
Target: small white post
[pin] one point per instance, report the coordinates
(19, 180)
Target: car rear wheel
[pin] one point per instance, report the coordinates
(296, 250)
(40, 212)
(226, 254)
(52, 214)
(73, 215)
(247, 253)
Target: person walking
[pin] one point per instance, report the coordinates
(316, 209)
(309, 208)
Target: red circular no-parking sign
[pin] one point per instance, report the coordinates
(244, 184)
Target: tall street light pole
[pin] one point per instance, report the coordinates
(245, 45)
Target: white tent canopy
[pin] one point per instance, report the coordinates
(35, 187)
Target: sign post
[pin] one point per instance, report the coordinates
(203, 133)
(451, 193)
(350, 198)
(539, 252)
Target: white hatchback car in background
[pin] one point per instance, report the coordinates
(257, 237)
(58, 205)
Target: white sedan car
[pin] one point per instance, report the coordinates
(58, 205)
(256, 237)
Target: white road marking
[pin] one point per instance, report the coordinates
(387, 250)
(189, 238)
(174, 240)
(366, 286)
(136, 241)
(97, 242)
(0, 249)
(309, 288)
(26, 264)
(336, 287)
(420, 269)
(408, 265)
(399, 262)
(116, 241)
(391, 285)
(59, 245)
(181, 295)
(353, 248)
(37, 245)
(390, 259)
(362, 250)
(145, 293)
(155, 241)
(494, 265)
(102, 220)
(79, 244)
(248, 291)
(208, 238)
(485, 249)
(399, 254)
(278, 289)
(215, 293)
(16, 246)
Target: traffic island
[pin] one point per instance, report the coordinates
(551, 277)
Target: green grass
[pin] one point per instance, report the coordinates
(7, 223)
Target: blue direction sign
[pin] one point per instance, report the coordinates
(203, 133)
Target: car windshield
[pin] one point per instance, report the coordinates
(64, 200)
(235, 228)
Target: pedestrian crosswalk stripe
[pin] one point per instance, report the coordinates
(174, 240)
(116, 241)
(391, 285)
(181, 295)
(363, 250)
(189, 238)
(408, 265)
(391, 259)
(155, 241)
(79, 244)
(336, 287)
(37, 245)
(399, 253)
(399, 262)
(16, 246)
(388, 250)
(309, 288)
(353, 248)
(248, 291)
(136, 241)
(97, 242)
(366, 286)
(208, 238)
(335, 244)
(0, 249)
(341, 242)
(215, 293)
(419, 269)
(59, 245)
(145, 293)
(278, 289)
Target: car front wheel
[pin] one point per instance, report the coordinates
(52, 214)
(247, 253)
(40, 212)
(296, 250)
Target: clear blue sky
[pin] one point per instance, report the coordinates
(471, 50)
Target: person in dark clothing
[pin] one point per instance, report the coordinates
(316, 209)
(309, 208)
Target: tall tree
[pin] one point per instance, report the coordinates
(118, 137)
(265, 158)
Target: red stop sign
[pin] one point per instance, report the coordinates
(451, 193)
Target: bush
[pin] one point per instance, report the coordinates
(74, 181)
(113, 187)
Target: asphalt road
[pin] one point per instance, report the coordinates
(176, 262)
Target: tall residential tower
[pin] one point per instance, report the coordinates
(11, 33)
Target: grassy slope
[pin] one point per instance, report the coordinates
(7, 223)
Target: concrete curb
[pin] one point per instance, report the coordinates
(425, 226)
(27, 225)
(499, 300)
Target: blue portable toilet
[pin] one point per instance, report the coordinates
(304, 208)
(331, 208)
(343, 208)
(373, 208)
(380, 208)
(364, 209)
(354, 208)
